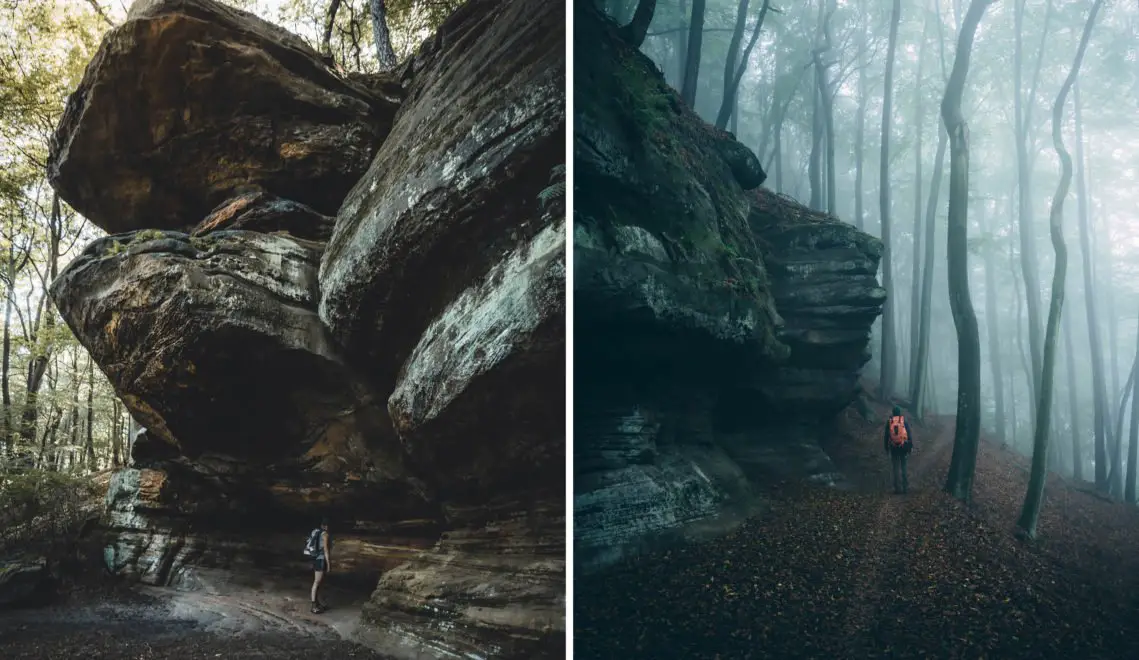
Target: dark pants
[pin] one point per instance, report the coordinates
(901, 479)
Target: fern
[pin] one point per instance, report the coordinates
(556, 188)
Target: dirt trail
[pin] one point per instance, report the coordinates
(877, 547)
(248, 622)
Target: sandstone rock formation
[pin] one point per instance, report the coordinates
(398, 368)
(718, 326)
(189, 102)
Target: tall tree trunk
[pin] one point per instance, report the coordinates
(732, 79)
(825, 105)
(90, 413)
(634, 33)
(1073, 404)
(915, 273)
(992, 325)
(1029, 266)
(928, 261)
(730, 65)
(6, 358)
(1030, 513)
(385, 54)
(1099, 388)
(116, 435)
(959, 482)
(37, 365)
(680, 45)
(1133, 450)
(889, 350)
(860, 130)
(329, 23)
(692, 64)
(814, 162)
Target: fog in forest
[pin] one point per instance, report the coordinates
(813, 102)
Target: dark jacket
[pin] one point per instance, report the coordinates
(909, 437)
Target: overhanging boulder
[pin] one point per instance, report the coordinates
(190, 102)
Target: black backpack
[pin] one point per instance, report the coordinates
(312, 545)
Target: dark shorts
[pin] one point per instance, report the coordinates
(319, 565)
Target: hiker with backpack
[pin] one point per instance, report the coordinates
(899, 442)
(317, 548)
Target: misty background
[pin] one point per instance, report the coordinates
(810, 103)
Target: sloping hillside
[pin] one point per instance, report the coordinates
(829, 573)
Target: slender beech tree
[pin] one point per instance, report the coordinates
(385, 54)
(921, 357)
(860, 120)
(827, 107)
(735, 66)
(1133, 450)
(1028, 259)
(634, 33)
(991, 326)
(329, 22)
(1099, 386)
(1073, 404)
(889, 350)
(692, 53)
(959, 482)
(915, 273)
(1030, 512)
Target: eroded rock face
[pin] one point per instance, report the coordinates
(408, 382)
(718, 327)
(190, 102)
(213, 341)
(455, 186)
(262, 212)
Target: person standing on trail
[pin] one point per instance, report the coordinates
(317, 547)
(898, 441)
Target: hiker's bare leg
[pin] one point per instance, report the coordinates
(318, 576)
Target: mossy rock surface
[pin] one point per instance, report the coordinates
(645, 160)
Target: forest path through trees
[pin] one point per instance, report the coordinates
(863, 573)
(883, 542)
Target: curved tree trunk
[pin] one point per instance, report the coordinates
(634, 33)
(733, 71)
(385, 54)
(889, 350)
(1133, 451)
(1030, 512)
(959, 482)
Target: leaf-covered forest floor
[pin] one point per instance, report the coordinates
(865, 573)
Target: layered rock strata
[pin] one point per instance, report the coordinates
(394, 362)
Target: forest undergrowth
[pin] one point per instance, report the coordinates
(865, 573)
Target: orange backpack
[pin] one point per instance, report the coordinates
(898, 435)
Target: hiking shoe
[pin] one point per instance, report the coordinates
(317, 609)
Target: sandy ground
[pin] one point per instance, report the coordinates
(146, 623)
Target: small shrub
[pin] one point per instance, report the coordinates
(37, 505)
